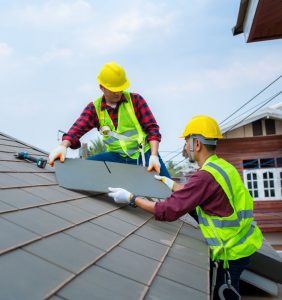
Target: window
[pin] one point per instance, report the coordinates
(257, 128)
(270, 126)
(264, 184)
(252, 184)
(268, 184)
(279, 162)
(267, 163)
(251, 164)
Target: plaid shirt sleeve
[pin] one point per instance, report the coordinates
(86, 121)
(146, 118)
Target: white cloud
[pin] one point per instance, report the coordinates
(5, 50)
(53, 55)
(52, 13)
(120, 32)
(231, 76)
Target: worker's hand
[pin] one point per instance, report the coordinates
(120, 195)
(58, 153)
(154, 163)
(169, 182)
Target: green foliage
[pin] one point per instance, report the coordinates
(97, 146)
(174, 169)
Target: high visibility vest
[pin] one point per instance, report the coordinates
(128, 125)
(237, 235)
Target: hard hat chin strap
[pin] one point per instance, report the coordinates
(191, 149)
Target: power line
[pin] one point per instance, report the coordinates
(271, 98)
(251, 99)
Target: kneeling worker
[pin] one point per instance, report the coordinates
(130, 131)
(224, 206)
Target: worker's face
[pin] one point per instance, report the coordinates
(111, 97)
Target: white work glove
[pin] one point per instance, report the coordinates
(120, 195)
(58, 153)
(154, 163)
(169, 182)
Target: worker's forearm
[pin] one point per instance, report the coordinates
(154, 147)
(66, 143)
(145, 204)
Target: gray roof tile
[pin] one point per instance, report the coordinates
(22, 269)
(98, 283)
(163, 289)
(12, 235)
(19, 198)
(176, 270)
(65, 251)
(127, 264)
(145, 247)
(114, 224)
(95, 235)
(37, 220)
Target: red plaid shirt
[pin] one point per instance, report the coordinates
(89, 119)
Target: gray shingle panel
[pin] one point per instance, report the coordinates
(12, 235)
(189, 242)
(8, 181)
(189, 255)
(92, 206)
(165, 289)
(6, 207)
(97, 176)
(49, 193)
(153, 234)
(186, 274)
(145, 247)
(20, 198)
(98, 283)
(65, 251)
(128, 264)
(114, 224)
(95, 235)
(18, 166)
(6, 156)
(68, 212)
(37, 220)
(28, 277)
(28, 179)
(130, 215)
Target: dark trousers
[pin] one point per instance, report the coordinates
(236, 267)
(115, 157)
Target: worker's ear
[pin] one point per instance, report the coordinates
(197, 145)
(101, 88)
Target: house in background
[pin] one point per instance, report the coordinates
(254, 147)
(259, 20)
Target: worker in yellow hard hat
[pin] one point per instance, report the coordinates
(129, 129)
(223, 205)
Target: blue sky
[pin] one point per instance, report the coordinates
(179, 55)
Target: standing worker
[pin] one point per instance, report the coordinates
(130, 131)
(223, 204)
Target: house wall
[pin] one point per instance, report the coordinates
(247, 130)
(268, 212)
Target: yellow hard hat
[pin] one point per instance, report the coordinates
(203, 125)
(112, 76)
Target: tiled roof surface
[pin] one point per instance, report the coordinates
(59, 244)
